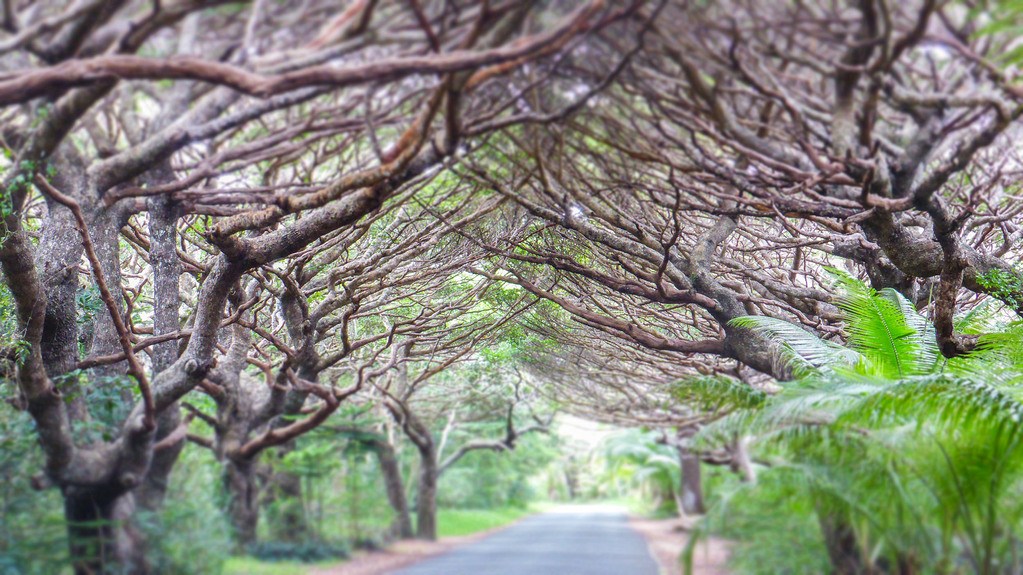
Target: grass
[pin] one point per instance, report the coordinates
(455, 522)
(450, 523)
(253, 566)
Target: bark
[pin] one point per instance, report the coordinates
(426, 494)
(395, 487)
(840, 541)
(39, 82)
(163, 216)
(741, 462)
(690, 485)
(243, 505)
(60, 278)
(151, 493)
(102, 539)
(105, 229)
(99, 504)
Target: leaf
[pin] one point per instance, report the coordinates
(804, 351)
(877, 328)
(929, 355)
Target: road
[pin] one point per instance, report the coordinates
(568, 541)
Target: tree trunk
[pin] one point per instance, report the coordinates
(690, 486)
(741, 462)
(426, 498)
(572, 478)
(101, 536)
(402, 526)
(60, 328)
(151, 493)
(291, 523)
(243, 504)
(106, 236)
(840, 541)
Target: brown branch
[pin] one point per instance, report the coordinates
(28, 84)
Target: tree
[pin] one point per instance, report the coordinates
(425, 388)
(259, 179)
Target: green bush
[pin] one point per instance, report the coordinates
(33, 538)
(489, 480)
(306, 551)
(773, 524)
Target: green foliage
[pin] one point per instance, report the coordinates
(312, 459)
(803, 350)
(717, 394)
(878, 329)
(108, 399)
(304, 551)
(32, 532)
(916, 456)
(188, 536)
(773, 524)
(1004, 23)
(88, 303)
(252, 566)
(342, 498)
(1004, 285)
(489, 480)
(638, 458)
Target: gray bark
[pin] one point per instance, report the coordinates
(690, 485)
(426, 494)
(395, 487)
(163, 217)
(243, 505)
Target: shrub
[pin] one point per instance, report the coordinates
(33, 536)
(306, 551)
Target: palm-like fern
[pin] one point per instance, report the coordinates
(916, 455)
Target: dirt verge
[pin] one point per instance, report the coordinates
(667, 538)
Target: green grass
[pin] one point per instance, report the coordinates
(454, 522)
(252, 566)
(450, 523)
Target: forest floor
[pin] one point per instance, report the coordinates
(667, 538)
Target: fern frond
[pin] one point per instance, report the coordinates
(950, 403)
(877, 329)
(804, 351)
(980, 319)
(929, 357)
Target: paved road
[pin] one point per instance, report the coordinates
(569, 541)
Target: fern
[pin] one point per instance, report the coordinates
(929, 356)
(919, 456)
(804, 351)
(877, 328)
